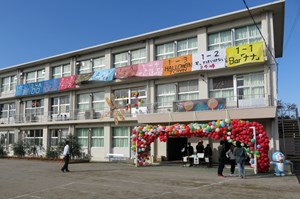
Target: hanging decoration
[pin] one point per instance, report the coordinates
(230, 130)
(117, 112)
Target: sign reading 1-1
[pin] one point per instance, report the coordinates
(244, 54)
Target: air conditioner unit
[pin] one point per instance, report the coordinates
(31, 118)
(90, 114)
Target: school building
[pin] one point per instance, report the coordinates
(148, 77)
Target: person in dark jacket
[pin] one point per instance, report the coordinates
(240, 156)
(190, 153)
(200, 149)
(208, 154)
(222, 158)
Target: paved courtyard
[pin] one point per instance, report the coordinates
(26, 179)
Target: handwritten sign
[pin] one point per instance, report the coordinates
(244, 54)
(51, 85)
(103, 75)
(210, 60)
(176, 65)
(150, 69)
(126, 71)
(67, 82)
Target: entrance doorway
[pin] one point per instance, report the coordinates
(174, 146)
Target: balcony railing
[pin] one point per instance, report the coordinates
(151, 108)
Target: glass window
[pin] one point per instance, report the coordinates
(138, 56)
(165, 51)
(121, 60)
(8, 83)
(247, 34)
(120, 136)
(187, 46)
(34, 107)
(34, 137)
(121, 97)
(91, 65)
(188, 90)
(61, 71)
(57, 135)
(7, 110)
(98, 101)
(98, 64)
(132, 96)
(89, 101)
(82, 136)
(83, 102)
(221, 87)
(98, 137)
(60, 105)
(35, 76)
(250, 86)
(220, 40)
(166, 95)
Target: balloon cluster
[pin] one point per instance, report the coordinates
(230, 130)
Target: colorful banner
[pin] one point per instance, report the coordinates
(126, 71)
(176, 65)
(22, 89)
(51, 85)
(210, 60)
(83, 78)
(244, 54)
(67, 82)
(150, 69)
(200, 105)
(103, 75)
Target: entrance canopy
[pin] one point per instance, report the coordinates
(230, 130)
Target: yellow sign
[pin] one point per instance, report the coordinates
(244, 54)
(177, 65)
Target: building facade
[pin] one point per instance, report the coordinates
(46, 118)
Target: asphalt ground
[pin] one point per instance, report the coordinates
(26, 179)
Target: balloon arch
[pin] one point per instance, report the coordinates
(230, 130)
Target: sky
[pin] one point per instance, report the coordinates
(37, 29)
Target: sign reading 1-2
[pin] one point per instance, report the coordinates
(248, 53)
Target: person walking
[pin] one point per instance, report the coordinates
(222, 158)
(231, 156)
(208, 154)
(66, 157)
(240, 156)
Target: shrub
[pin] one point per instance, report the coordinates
(2, 151)
(20, 148)
(75, 147)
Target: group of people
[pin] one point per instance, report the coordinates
(237, 155)
(189, 151)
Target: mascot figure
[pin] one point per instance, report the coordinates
(279, 163)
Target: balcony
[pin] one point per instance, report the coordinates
(238, 107)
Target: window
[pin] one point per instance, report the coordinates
(183, 47)
(9, 83)
(11, 138)
(91, 101)
(34, 137)
(82, 136)
(34, 107)
(91, 65)
(167, 93)
(250, 86)
(35, 76)
(61, 71)
(131, 57)
(120, 137)
(60, 105)
(57, 136)
(221, 87)
(188, 90)
(7, 110)
(234, 37)
(130, 96)
(97, 137)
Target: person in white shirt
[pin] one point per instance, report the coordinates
(66, 157)
(231, 156)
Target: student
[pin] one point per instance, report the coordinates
(231, 156)
(200, 149)
(240, 156)
(222, 158)
(66, 157)
(208, 154)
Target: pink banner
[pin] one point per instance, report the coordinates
(126, 71)
(154, 68)
(67, 82)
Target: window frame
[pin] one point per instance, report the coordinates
(116, 139)
(11, 84)
(37, 77)
(62, 71)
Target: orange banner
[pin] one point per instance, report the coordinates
(177, 65)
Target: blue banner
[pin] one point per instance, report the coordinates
(22, 89)
(51, 85)
(103, 75)
(36, 88)
(200, 105)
